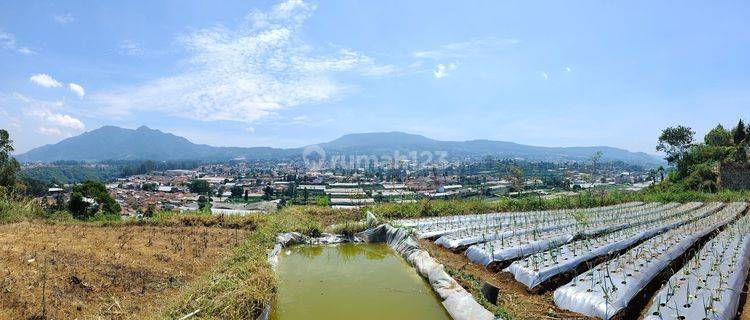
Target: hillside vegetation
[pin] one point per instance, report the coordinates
(695, 161)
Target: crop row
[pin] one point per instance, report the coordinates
(512, 244)
(540, 267)
(607, 289)
(709, 286)
(601, 220)
(438, 226)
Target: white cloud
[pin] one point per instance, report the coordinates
(26, 51)
(442, 70)
(45, 80)
(45, 116)
(472, 47)
(50, 131)
(77, 89)
(245, 74)
(63, 19)
(250, 130)
(8, 41)
(130, 48)
(65, 120)
(56, 119)
(544, 75)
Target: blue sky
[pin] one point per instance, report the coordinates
(268, 73)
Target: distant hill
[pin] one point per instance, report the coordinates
(389, 142)
(114, 143)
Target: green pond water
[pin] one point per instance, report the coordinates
(351, 281)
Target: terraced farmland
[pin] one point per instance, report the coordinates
(633, 260)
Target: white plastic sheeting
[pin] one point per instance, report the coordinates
(608, 288)
(438, 226)
(515, 247)
(594, 222)
(520, 244)
(709, 286)
(459, 303)
(540, 267)
(447, 220)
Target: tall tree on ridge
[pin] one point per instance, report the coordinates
(739, 133)
(9, 166)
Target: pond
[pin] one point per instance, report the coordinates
(351, 281)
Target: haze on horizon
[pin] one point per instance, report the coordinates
(293, 73)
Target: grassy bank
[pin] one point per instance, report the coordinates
(240, 287)
(19, 209)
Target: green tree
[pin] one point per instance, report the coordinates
(515, 176)
(267, 193)
(739, 133)
(96, 191)
(323, 201)
(718, 137)
(150, 210)
(702, 178)
(204, 204)
(77, 205)
(676, 142)
(595, 158)
(236, 191)
(661, 173)
(150, 186)
(59, 203)
(9, 166)
(199, 186)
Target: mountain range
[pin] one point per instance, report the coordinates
(115, 143)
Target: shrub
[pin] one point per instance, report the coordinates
(13, 209)
(348, 228)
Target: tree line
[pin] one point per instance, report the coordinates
(88, 200)
(695, 161)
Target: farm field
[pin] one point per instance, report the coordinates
(112, 272)
(627, 261)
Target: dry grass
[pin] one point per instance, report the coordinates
(67, 271)
(242, 285)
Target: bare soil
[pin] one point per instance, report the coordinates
(114, 272)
